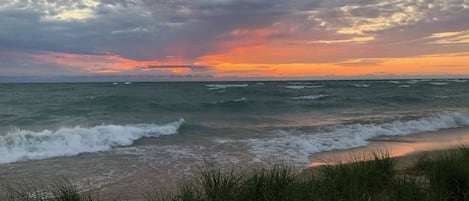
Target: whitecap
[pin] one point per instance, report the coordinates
(240, 99)
(361, 85)
(412, 81)
(226, 101)
(300, 83)
(303, 86)
(459, 80)
(299, 145)
(19, 145)
(439, 83)
(310, 97)
(224, 86)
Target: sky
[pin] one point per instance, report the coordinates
(234, 39)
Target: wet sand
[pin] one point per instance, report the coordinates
(406, 148)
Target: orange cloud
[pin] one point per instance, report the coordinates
(419, 65)
(103, 63)
(241, 62)
(174, 70)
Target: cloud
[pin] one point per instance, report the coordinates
(192, 67)
(178, 68)
(185, 36)
(361, 62)
(351, 40)
(451, 38)
(140, 30)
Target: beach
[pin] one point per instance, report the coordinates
(406, 149)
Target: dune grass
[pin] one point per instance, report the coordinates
(447, 174)
(444, 177)
(59, 191)
(373, 177)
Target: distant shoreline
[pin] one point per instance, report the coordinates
(150, 79)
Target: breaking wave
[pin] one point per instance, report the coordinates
(20, 145)
(310, 97)
(361, 85)
(300, 144)
(224, 86)
(439, 83)
(303, 86)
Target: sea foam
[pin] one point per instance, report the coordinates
(361, 85)
(299, 145)
(303, 86)
(310, 97)
(404, 86)
(439, 83)
(19, 145)
(458, 80)
(224, 86)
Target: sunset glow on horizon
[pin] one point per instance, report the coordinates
(236, 39)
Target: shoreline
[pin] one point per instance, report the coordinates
(403, 147)
(382, 176)
(406, 150)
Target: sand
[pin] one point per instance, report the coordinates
(406, 148)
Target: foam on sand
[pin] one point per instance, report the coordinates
(299, 145)
(19, 145)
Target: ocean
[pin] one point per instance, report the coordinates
(102, 134)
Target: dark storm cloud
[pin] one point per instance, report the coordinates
(186, 30)
(139, 30)
(201, 26)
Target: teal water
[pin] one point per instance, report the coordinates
(247, 120)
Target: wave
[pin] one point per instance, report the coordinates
(310, 97)
(413, 81)
(229, 101)
(240, 99)
(300, 83)
(20, 145)
(224, 86)
(394, 81)
(361, 85)
(459, 80)
(300, 145)
(439, 83)
(404, 86)
(302, 86)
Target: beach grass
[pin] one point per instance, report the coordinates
(58, 191)
(447, 173)
(443, 176)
